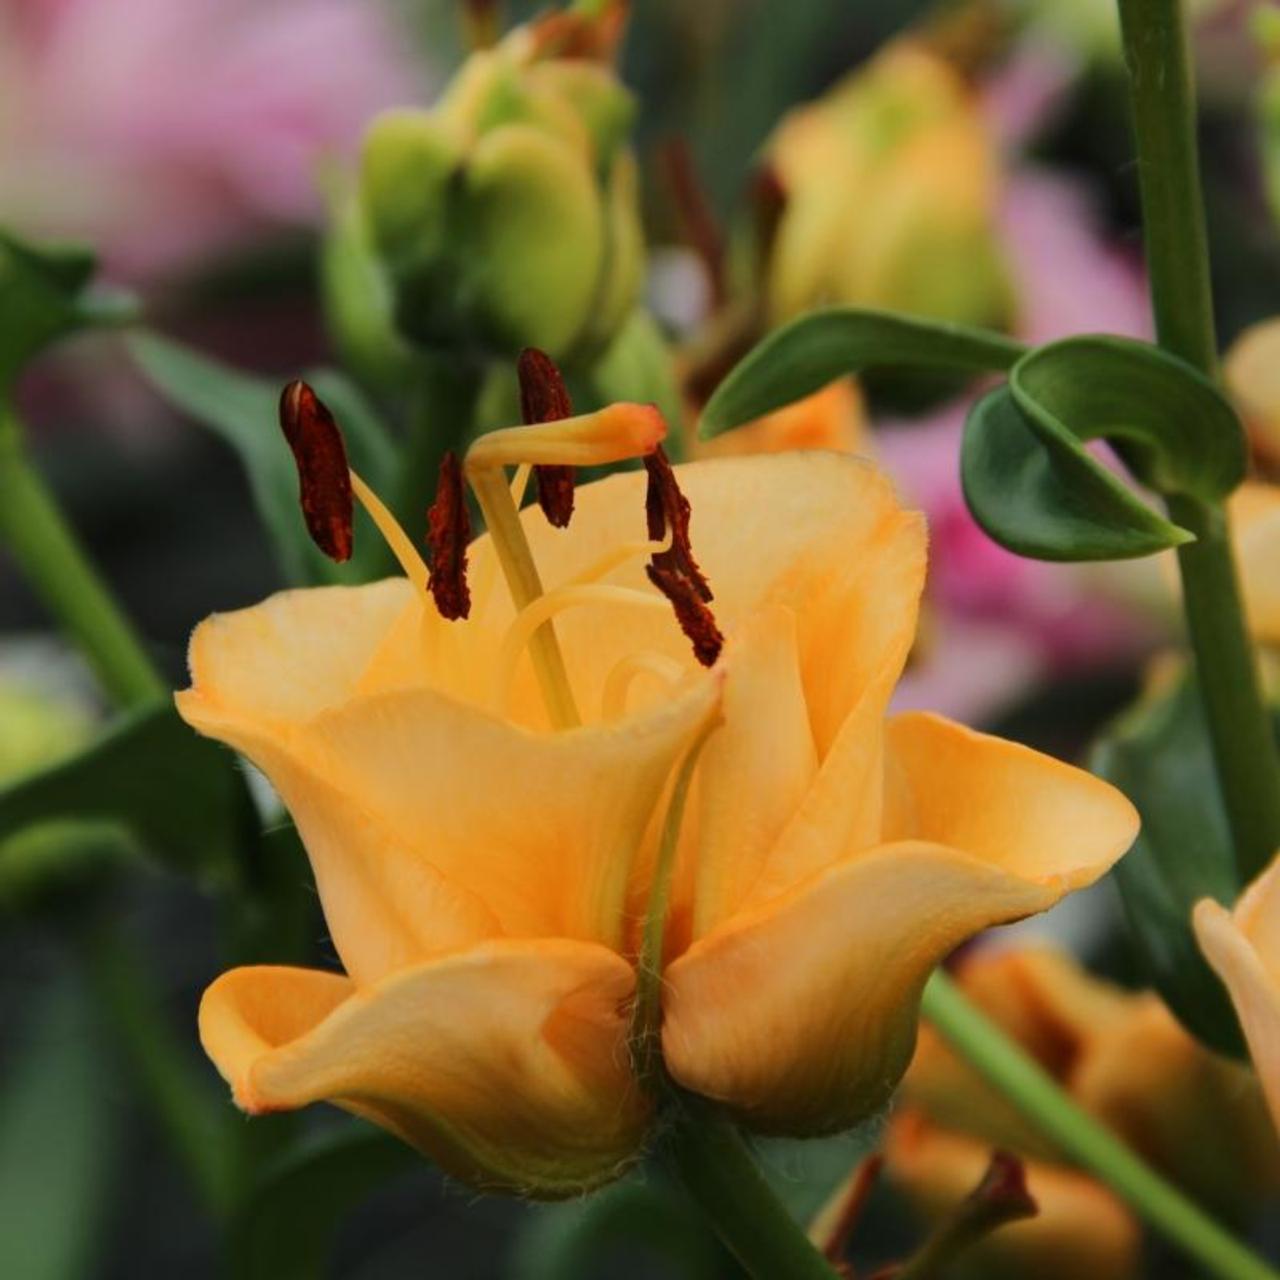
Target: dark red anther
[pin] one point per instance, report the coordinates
(665, 507)
(545, 398)
(448, 532)
(324, 479)
(695, 618)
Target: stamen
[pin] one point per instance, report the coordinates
(502, 518)
(545, 398)
(520, 483)
(617, 684)
(695, 619)
(531, 619)
(324, 483)
(615, 433)
(666, 508)
(448, 532)
(415, 568)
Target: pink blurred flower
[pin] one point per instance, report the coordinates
(1031, 619)
(167, 130)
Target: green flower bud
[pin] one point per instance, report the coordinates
(508, 216)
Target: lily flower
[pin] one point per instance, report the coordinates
(1126, 1060)
(482, 797)
(1243, 946)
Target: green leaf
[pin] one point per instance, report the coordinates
(1159, 755)
(174, 792)
(243, 410)
(579, 1240)
(1173, 428)
(1040, 493)
(45, 295)
(805, 355)
(55, 1142)
(290, 1219)
(1036, 489)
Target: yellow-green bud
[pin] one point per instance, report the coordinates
(508, 216)
(891, 183)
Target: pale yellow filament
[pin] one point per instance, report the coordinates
(402, 547)
(539, 611)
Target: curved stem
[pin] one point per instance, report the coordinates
(1083, 1139)
(50, 556)
(713, 1161)
(1163, 100)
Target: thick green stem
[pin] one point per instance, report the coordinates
(51, 558)
(1082, 1139)
(713, 1161)
(444, 403)
(1163, 100)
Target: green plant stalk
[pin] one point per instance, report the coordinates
(1083, 1139)
(443, 409)
(52, 560)
(712, 1160)
(1162, 95)
(168, 1079)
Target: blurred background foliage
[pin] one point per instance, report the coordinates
(185, 142)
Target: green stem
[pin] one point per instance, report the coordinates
(444, 403)
(1163, 100)
(50, 556)
(1083, 1139)
(713, 1161)
(167, 1077)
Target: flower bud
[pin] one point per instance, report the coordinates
(890, 194)
(507, 216)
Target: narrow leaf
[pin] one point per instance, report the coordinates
(1160, 757)
(243, 410)
(172, 791)
(55, 1141)
(805, 355)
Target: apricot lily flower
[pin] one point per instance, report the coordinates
(1243, 946)
(482, 809)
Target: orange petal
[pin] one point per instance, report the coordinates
(505, 1063)
(1010, 806)
(801, 1012)
(821, 533)
(1255, 529)
(395, 797)
(801, 1015)
(756, 767)
(1081, 1229)
(1243, 946)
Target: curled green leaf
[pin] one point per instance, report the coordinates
(1175, 431)
(1037, 491)
(805, 355)
(1034, 487)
